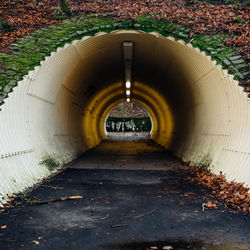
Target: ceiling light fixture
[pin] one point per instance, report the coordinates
(128, 53)
(128, 84)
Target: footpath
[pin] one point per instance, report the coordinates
(123, 195)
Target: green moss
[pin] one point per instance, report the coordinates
(205, 161)
(50, 164)
(146, 20)
(29, 51)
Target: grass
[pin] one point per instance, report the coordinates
(30, 50)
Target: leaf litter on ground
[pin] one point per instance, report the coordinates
(234, 195)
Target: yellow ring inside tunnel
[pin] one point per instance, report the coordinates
(198, 111)
(98, 109)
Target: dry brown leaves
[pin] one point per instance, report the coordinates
(25, 16)
(200, 17)
(211, 205)
(204, 18)
(130, 110)
(234, 194)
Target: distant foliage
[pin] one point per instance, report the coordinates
(131, 109)
(119, 124)
(128, 117)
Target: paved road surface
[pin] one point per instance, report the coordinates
(135, 196)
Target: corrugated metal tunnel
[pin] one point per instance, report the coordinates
(58, 111)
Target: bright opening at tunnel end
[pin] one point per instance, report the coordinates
(128, 120)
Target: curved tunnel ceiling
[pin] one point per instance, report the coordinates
(198, 111)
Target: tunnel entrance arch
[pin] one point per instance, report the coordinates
(199, 112)
(128, 119)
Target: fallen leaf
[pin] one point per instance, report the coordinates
(167, 248)
(233, 194)
(188, 193)
(36, 242)
(210, 204)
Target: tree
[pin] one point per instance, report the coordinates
(5, 27)
(65, 8)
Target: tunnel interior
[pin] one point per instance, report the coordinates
(197, 110)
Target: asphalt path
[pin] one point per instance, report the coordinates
(123, 208)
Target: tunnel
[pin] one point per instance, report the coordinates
(58, 111)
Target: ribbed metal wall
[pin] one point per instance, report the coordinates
(48, 116)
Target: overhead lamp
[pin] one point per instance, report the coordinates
(128, 84)
(128, 54)
(127, 92)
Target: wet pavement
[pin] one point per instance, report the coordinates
(152, 206)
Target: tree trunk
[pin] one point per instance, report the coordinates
(65, 8)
